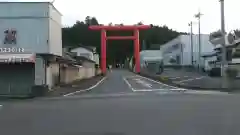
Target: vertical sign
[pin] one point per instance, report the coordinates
(10, 36)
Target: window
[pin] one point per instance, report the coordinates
(176, 46)
(178, 59)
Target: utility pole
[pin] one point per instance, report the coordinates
(182, 55)
(224, 52)
(191, 40)
(144, 45)
(199, 37)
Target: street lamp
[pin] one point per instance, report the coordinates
(198, 16)
(224, 61)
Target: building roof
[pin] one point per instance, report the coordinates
(90, 48)
(62, 59)
(73, 56)
(82, 58)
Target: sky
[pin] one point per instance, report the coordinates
(176, 14)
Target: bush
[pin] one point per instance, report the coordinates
(237, 32)
(215, 34)
(163, 78)
(231, 72)
(215, 72)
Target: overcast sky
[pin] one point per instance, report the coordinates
(176, 14)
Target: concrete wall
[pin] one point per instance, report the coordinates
(96, 58)
(69, 74)
(72, 73)
(89, 68)
(52, 74)
(81, 73)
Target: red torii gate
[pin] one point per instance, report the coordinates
(135, 37)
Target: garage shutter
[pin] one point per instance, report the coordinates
(16, 79)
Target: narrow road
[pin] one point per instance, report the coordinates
(122, 81)
(124, 104)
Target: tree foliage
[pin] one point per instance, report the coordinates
(117, 51)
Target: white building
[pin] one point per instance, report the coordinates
(29, 30)
(179, 50)
(88, 52)
(150, 60)
(150, 56)
(35, 27)
(90, 55)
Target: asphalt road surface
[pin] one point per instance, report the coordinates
(125, 104)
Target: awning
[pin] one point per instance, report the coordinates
(17, 58)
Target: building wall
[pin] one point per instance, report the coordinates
(69, 74)
(207, 65)
(96, 58)
(40, 71)
(206, 47)
(171, 50)
(81, 72)
(55, 31)
(29, 37)
(52, 74)
(22, 9)
(35, 31)
(83, 52)
(150, 55)
(181, 46)
(89, 69)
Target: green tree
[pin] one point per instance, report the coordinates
(117, 51)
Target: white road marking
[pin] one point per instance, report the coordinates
(179, 77)
(133, 76)
(94, 86)
(187, 91)
(142, 90)
(190, 91)
(129, 85)
(143, 83)
(169, 90)
(159, 82)
(188, 80)
(106, 95)
(175, 78)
